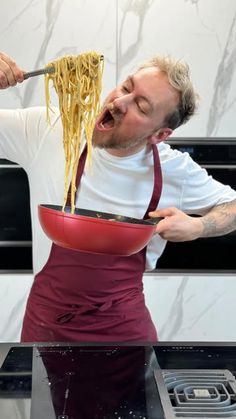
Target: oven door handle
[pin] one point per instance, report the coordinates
(10, 166)
(16, 243)
(218, 166)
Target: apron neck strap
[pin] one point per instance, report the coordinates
(157, 187)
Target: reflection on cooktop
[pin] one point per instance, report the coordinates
(16, 373)
(67, 381)
(15, 382)
(70, 382)
(99, 383)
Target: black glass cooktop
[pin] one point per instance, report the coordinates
(118, 382)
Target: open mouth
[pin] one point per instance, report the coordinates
(105, 121)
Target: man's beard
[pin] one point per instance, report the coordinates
(114, 143)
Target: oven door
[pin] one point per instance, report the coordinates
(15, 221)
(216, 253)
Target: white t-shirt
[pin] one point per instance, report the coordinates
(117, 185)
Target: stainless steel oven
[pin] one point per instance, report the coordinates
(218, 156)
(15, 221)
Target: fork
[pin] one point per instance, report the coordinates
(48, 70)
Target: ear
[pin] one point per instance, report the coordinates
(160, 135)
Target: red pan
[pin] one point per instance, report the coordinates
(95, 231)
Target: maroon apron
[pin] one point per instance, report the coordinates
(88, 297)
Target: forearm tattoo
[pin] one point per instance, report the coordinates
(220, 220)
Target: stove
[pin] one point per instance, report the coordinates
(197, 393)
(163, 381)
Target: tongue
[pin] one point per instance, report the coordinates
(108, 123)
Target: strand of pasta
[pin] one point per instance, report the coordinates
(78, 83)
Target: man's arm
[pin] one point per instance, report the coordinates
(178, 226)
(220, 220)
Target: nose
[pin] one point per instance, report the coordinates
(120, 104)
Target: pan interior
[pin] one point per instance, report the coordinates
(103, 215)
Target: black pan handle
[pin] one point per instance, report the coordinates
(154, 220)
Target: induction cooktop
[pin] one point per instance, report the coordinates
(67, 381)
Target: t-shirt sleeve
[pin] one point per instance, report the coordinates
(21, 133)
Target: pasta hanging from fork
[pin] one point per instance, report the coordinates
(78, 83)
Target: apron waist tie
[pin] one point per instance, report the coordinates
(67, 316)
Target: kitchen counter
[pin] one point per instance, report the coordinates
(184, 306)
(64, 381)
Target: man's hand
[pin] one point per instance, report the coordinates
(10, 73)
(176, 225)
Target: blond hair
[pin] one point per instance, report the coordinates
(179, 77)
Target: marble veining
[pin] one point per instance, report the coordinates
(174, 320)
(52, 11)
(223, 83)
(139, 9)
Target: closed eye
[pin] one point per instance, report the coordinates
(125, 89)
(143, 107)
(142, 110)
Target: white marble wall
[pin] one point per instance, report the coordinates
(201, 32)
(37, 32)
(192, 307)
(184, 307)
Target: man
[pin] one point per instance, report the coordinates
(79, 296)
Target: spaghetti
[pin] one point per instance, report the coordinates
(78, 82)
